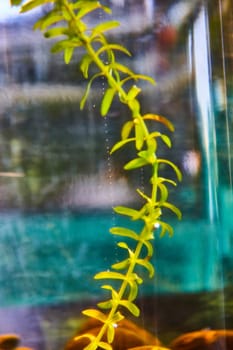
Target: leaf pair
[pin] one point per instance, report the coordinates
(131, 280)
(143, 237)
(117, 301)
(109, 322)
(94, 343)
(145, 157)
(133, 260)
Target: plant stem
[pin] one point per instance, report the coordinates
(104, 69)
(121, 293)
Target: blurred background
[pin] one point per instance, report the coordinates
(58, 182)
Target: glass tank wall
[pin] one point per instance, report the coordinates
(58, 182)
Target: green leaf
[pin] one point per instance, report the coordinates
(89, 336)
(147, 265)
(109, 47)
(47, 20)
(68, 53)
(126, 211)
(109, 275)
(93, 345)
(131, 307)
(148, 155)
(165, 228)
(125, 232)
(126, 129)
(87, 8)
(137, 77)
(78, 4)
(67, 16)
(150, 250)
(98, 315)
(115, 295)
(135, 278)
(105, 304)
(169, 181)
(84, 65)
(156, 180)
(122, 68)
(106, 9)
(107, 101)
(110, 333)
(121, 144)
(134, 105)
(57, 31)
(87, 4)
(133, 293)
(108, 287)
(117, 317)
(117, 77)
(102, 345)
(146, 235)
(31, 4)
(173, 208)
(175, 168)
(139, 134)
(160, 119)
(144, 77)
(163, 192)
(121, 265)
(105, 26)
(64, 44)
(84, 98)
(133, 92)
(143, 195)
(155, 215)
(82, 27)
(114, 300)
(166, 139)
(136, 163)
(151, 144)
(124, 245)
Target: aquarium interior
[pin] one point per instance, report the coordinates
(58, 183)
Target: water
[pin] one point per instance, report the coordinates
(58, 183)
(50, 257)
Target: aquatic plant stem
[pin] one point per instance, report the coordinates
(104, 69)
(121, 292)
(78, 34)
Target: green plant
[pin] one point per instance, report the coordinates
(66, 18)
